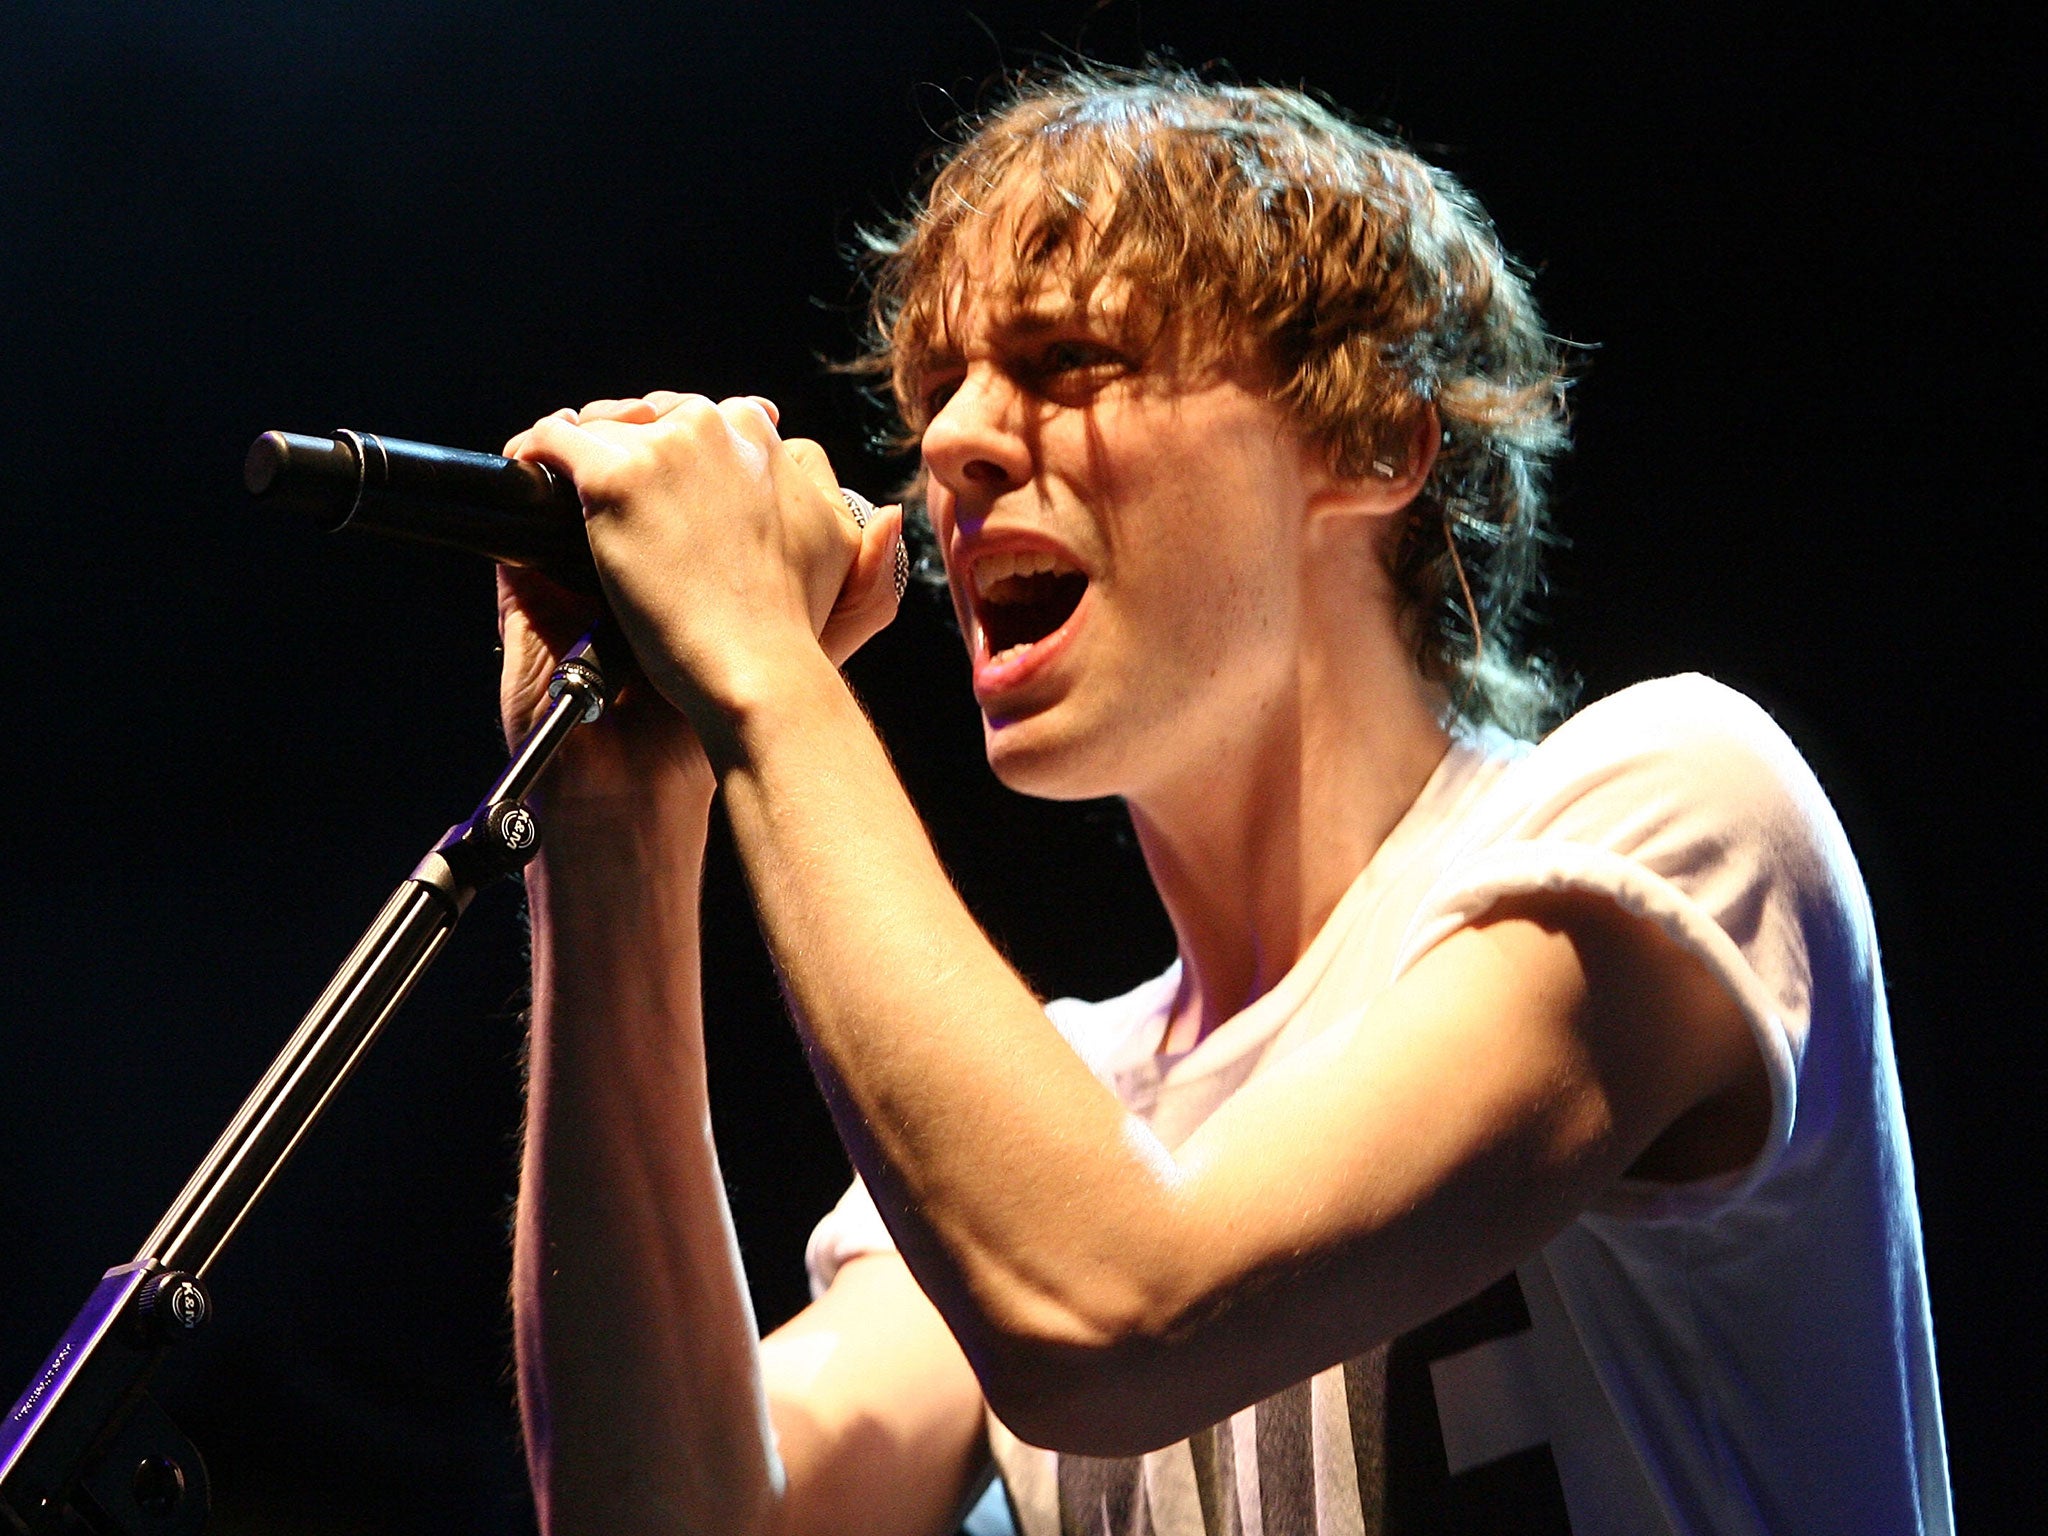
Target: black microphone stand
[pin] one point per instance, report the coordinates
(86, 1447)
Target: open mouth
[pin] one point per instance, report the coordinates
(1021, 596)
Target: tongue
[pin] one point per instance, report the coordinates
(1025, 609)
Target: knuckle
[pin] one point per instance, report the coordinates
(811, 456)
(547, 427)
(604, 485)
(744, 414)
(692, 419)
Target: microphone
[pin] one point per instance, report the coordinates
(509, 510)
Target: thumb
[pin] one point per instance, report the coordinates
(868, 599)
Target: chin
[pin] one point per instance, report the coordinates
(1029, 757)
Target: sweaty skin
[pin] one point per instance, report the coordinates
(1237, 671)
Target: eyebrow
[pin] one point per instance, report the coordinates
(1015, 323)
(1040, 318)
(1026, 322)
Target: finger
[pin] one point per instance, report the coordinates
(666, 402)
(537, 624)
(587, 454)
(811, 459)
(551, 611)
(516, 447)
(749, 416)
(635, 410)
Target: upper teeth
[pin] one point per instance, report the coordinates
(994, 568)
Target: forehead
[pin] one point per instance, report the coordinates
(979, 309)
(1005, 274)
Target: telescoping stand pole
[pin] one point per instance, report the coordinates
(86, 1447)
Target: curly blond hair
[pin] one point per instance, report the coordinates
(1368, 285)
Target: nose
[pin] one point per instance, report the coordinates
(976, 444)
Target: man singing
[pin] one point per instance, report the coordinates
(1515, 1144)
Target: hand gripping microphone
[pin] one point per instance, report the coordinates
(512, 511)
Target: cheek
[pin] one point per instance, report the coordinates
(1234, 606)
(1220, 560)
(938, 513)
(939, 518)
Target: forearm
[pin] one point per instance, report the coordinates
(638, 1373)
(977, 1127)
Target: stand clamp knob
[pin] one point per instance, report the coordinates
(514, 834)
(171, 1306)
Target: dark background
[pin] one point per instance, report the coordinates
(1808, 464)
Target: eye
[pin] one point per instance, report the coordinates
(934, 393)
(1078, 357)
(1072, 369)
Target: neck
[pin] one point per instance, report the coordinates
(1252, 850)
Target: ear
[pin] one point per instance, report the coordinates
(1397, 474)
